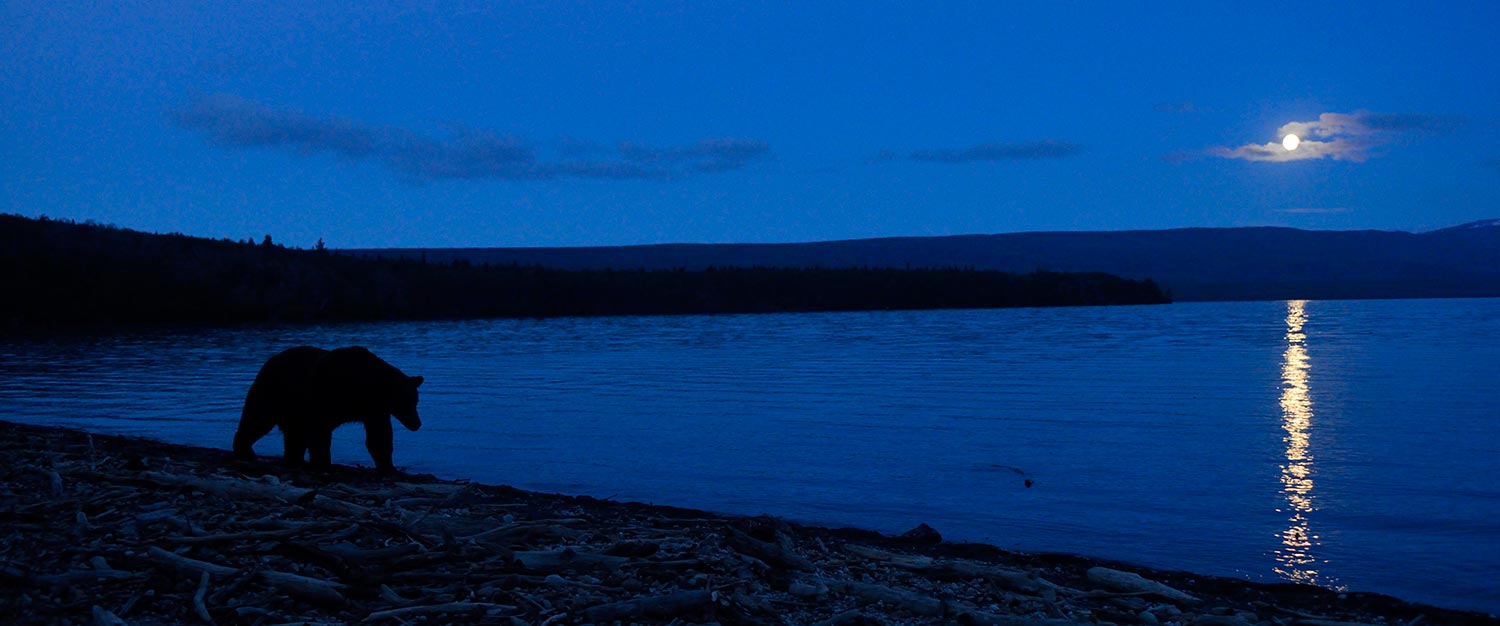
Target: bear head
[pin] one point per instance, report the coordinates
(404, 402)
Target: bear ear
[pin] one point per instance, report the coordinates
(416, 381)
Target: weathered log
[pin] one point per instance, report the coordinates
(103, 617)
(1229, 620)
(423, 560)
(404, 489)
(65, 579)
(307, 623)
(670, 605)
(1011, 579)
(256, 535)
(156, 515)
(198, 606)
(129, 605)
(899, 560)
(909, 600)
(351, 551)
(552, 526)
(1128, 582)
(313, 589)
(847, 617)
(189, 564)
(635, 549)
(930, 606)
(390, 595)
(767, 552)
(431, 609)
(236, 582)
(961, 570)
(566, 558)
(1330, 622)
(243, 488)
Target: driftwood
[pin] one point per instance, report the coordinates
(1325, 622)
(433, 609)
(961, 570)
(566, 558)
(126, 534)
(350, 551)
(103, 617)
(251, 489)
(1135, 583)
(254, 535)
(922, 604)
(847, 617)
(671, 605)
(198, 606)
(64, 579)
(1223, 620)
(502, 534)
(321, 591)
(904, 598)
(769, 553)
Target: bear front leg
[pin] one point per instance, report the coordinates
(379, 441)
(245, 438)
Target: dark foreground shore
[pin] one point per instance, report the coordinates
(113, 530)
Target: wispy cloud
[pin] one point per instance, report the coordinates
(236, 122)
(990, 152)
(1175, 107)
(1340, 136)
(1315, 210)
(710, 155)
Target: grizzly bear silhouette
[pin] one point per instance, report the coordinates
(307, 392)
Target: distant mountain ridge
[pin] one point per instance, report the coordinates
(1251, 263)
(1495, 223)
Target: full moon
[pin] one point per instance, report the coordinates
(1290, 142)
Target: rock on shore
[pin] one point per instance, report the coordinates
(111, 530)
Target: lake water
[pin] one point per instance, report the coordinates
(1351, 444)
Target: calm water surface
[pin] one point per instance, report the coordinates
(1349, 444)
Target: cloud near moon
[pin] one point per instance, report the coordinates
(1338, 136)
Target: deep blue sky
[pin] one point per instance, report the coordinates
(558, 123)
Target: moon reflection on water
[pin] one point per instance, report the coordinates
(1298, 541)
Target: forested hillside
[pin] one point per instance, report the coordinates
(60, 273)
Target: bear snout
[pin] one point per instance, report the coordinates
(411, 421)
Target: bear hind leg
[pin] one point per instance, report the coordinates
(320, 449)
(296, 448)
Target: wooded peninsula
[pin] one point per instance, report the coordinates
(63, 273)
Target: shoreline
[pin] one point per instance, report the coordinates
(107, 529)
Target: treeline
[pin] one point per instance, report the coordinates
(64, 273)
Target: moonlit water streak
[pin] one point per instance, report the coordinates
(1296, 561)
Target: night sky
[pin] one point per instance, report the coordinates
(557, 123)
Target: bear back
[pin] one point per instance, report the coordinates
(364, 386)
